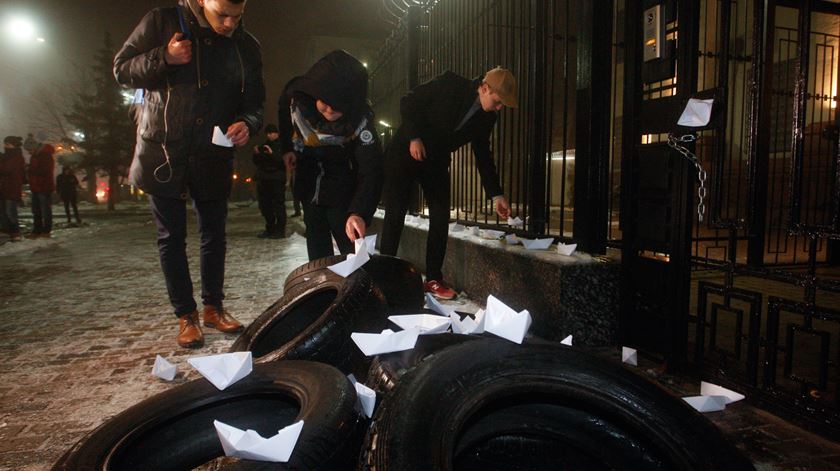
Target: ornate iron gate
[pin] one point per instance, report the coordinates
(763, 316)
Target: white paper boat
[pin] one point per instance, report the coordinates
(629, 356)
(468, 325)
(249, 445)
(386, 342)
(427, 323)
(353, 261)
(224, 369)
(709, 389)
(503, 321)
(163, 369)
(566, 249)
(706, 403)
(537, 244)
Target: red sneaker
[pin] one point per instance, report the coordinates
(439, 289)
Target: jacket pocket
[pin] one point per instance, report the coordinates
(160, 121)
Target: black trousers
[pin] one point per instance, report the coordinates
(271, 196)
(71, 200)
(171, 219)
(324, 223)
(401, 171)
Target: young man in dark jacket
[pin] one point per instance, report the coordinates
(270, 179)
(438, 117)
(12, 178)
(199, 69)
(329, 138)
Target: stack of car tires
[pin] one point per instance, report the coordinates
(454, 402)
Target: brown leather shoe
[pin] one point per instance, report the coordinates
(220, 320)
(189, 335)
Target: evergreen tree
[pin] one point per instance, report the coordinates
(100, 113)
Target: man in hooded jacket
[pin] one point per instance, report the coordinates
(199, 70)
(328, 136)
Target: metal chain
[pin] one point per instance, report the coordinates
(676, 143)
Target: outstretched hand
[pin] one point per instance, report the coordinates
(355, 227)
(238, 133)
(502, 207)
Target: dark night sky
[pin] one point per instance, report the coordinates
(74, 29)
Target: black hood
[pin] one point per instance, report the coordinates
(338, 79)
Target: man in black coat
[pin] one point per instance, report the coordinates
(270, 179)
(200, 70)
(438, 117)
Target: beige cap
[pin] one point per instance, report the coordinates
(503, 83)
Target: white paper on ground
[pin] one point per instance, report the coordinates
(353, 261)
(370, 243)
(566, 249)
(515, 222)
(220, 139)
(386, 342)
(428, 324)
(567, 341)
(709, 389)
(629, 356)
(537, 244)
(249, 445)
(706, 403)
(468, 325)
(503, 321)
(163, 369)
(435, 305)
(224, 369)
(696, 113)
(455, 227)
(367, 398)
(511, 239)
(491, 234)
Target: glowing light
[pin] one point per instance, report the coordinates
(384, 123)
(248, 180)
(40, 40)
(20, 29)
(235, 176)
(364, 64)
(100, 195)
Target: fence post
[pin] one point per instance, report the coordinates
(537, 104)
(592, 141)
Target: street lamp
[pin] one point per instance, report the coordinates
(20, 29)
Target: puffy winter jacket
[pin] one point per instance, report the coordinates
(41, 171)
(12, 174)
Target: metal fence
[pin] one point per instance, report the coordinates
(533, 145)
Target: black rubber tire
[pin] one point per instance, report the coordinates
(399, 280)
(315, 324)
(311, 274)
(490, 404)
(386, 370)
(173, 431)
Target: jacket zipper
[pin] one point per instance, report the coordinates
(318, 183)
(241, 67)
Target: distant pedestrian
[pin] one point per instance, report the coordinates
(12, 178)
(329, 138)
(67, 184)
(201, 72)
(270, 180)
(30, 144)
(42, 186)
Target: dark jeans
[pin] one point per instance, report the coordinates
(271, 196)
(10, 215)
(401, 171)
(171, 218)
(42, 212)
(71, 200)
(321, 223)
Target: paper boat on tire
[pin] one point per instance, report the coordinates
(503, 321)
(224, 369)
(427, 323)
(248, 444)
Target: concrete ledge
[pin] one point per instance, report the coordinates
(575, 295)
